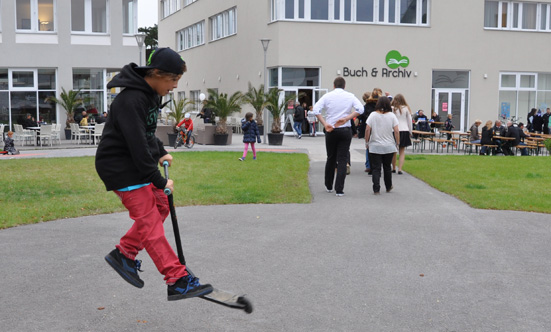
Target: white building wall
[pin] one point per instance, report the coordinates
(64, 50)
(454, 40)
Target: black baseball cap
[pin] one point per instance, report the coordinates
(166, 60)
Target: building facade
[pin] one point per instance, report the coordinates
(47, 45)
(474, 59)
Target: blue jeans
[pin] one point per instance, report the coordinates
(298, 127)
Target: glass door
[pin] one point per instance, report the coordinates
(451, 101)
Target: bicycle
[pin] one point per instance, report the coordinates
(182, 137)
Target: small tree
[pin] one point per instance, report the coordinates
(276, 108)
(224, 106)
(178, 111)
(257, 99)
(547, 144)
(70, 101)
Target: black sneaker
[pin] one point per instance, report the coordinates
(187, 287)
(126, 268)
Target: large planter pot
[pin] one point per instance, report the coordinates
(67, 133)
(221, 139)
(275, 139)
(172, 138)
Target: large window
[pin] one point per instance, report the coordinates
(169, 7)
(24, 91)
(401, 12)
(89, 16)
(514, 15)
(191, 36)
(35, 15)
(91, 83)
(129, 16)
(520, 92)
(188, 2)
(223, 24)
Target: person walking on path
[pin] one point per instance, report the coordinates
(298, 119)
(338, 134)
(381, 138)
(251, 134)
(405, 125)
(127, 161)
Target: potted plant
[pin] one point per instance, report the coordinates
(222, 107)
(257, 99)
(70, 101)
(177, 113)
(277, 109)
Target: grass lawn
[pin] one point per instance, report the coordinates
(502, 183)
(36, 190)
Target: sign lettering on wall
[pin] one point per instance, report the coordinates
(396, 63)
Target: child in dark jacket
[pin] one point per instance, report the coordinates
(127, 161)
(250, 134)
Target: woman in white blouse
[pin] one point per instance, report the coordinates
(402, 111)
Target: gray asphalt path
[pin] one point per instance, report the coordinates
(410, 260)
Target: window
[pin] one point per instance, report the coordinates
(194, 96)
(169, 7)
(509, 15)
(129, 17)
(188, 2)
(520, 92)
(35, 15)
(89, 16)
(401, 12)
(24, 91)
(191, 36)
(223, 24)
(91, 83)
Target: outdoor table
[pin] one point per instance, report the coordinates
(91, 131)
(537, 141)
(35, 129)
(423, 135)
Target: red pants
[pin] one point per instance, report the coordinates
(148, 207)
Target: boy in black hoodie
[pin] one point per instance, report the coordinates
(126, 161)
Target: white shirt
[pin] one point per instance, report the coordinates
(337, 105)
(382, 139)
(404, 119)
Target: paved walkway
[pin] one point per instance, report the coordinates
(411, 260)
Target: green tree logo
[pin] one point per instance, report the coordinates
(394, 60)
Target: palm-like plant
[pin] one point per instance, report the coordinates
(276, 108)
(178, 110)
(257, 99)
(223, 106)
(70, 101)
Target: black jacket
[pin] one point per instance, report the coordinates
(486, 136)
(517, 133)
(129, 152)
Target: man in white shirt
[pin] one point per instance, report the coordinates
(338, 134)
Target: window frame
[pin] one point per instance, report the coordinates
(349, 15)
(34, 18)
(515, 16)
(189, 35)
(88, 19)
(223, 24)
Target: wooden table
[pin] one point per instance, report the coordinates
(423, 136)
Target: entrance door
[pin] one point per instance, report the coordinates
(451, 101)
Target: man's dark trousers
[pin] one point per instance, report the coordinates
(337, 144)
